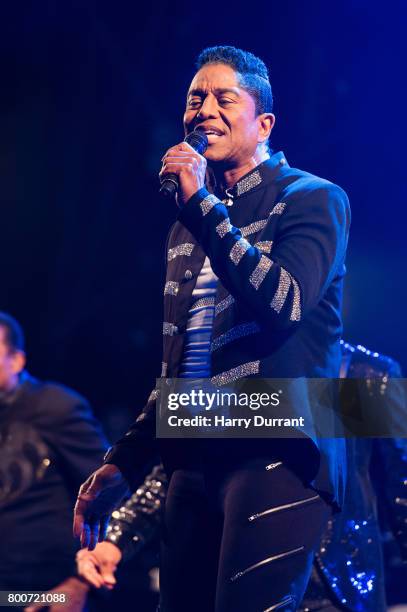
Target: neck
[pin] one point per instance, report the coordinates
(227, 177)
(10, 385)
(7, 392)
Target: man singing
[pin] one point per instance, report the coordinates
(253, 289)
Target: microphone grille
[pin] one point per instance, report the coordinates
(198, 141)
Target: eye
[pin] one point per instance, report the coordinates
(194, 103)
(224, 101)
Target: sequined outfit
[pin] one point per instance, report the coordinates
(348, 568)
(136, 523)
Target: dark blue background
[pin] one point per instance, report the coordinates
(92, 94)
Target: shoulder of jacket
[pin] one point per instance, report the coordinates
(298, 184)
(63, 396)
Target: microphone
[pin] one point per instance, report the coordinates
(198, 141)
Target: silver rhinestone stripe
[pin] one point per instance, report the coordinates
(251, 367)
(260, 271)
(171, 288)
(208, 203)
(248, 182)
(264, 246)
(296, 309)
(169, 329)
(283, 288)
(223, 304)
(181, 249)
(223, 228)
(278, 208)
(254, 227)
(240, 331)
(238, 250)
(164, 368)
(203, 303)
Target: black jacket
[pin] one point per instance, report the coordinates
(279, 255)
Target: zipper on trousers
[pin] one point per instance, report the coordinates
(281, 604)
(266, 561)
(295, 504)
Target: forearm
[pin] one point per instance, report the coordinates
(278, 285)
(137, 449)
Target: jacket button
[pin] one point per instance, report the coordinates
(188, 274)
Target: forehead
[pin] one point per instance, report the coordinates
(215, 76)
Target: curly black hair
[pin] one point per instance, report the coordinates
(253, 73)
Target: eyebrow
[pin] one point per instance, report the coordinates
(217, 91)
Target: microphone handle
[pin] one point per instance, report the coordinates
(169, 186)
(199, 142)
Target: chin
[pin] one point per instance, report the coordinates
(216, 156)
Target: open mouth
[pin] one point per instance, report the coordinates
(212, 137)
(213, 134)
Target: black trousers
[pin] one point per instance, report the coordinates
(240, 539)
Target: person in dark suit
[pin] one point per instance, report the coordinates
(49, 442)
(253, 289)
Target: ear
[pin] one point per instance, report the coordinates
(266, 123)
(18, 362)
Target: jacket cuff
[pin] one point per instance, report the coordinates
(133, 460)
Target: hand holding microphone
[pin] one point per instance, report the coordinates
(184, 167)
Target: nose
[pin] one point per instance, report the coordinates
(209, 108)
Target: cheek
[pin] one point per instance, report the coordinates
(244, 127)
(188, 117)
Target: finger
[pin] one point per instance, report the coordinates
(85, 556)
(179, 147)
(181, 159)
(185, 146)
(176, 168)
(89, 572)
(181, 153)
(91, 489)
(94, 535)
(88, 568)
(109, 578)
(88, 492)
(81, 507)
(85, 535)
(104, 524)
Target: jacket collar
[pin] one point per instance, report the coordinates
(259, 176)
